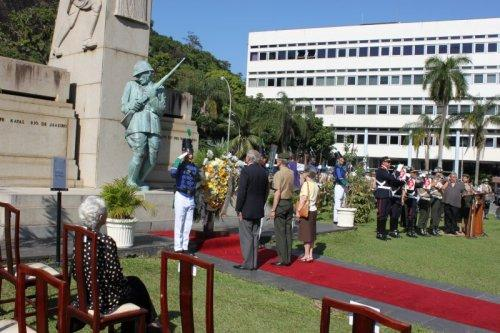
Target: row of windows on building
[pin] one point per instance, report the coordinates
(375, 51)
(394, 40)
(402, 140)
(360, 80)
(404, 109)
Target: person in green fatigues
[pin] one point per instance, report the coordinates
(282, 211)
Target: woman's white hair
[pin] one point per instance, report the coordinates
(91, 210)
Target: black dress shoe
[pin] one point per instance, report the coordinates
(395, 234)
(383, 237)
(411, 234)
(242, 268)
(279, 263)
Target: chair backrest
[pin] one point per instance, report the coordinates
(364, 317)
(12, 257)
(42, 280)
(81, 237)
(186, 291)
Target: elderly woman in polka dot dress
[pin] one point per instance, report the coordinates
(115, 289)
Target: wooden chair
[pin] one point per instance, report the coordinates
(95, 319)
(9, 264)
(42, 280)
(364, 317)
(186, 291)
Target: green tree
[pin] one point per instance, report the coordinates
(475, 123)
(423, 131)
(446, 81)
(27, 33)
(245, 124)
(291, 121)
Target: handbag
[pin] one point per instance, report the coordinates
(304, 210)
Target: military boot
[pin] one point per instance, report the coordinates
(395, 234)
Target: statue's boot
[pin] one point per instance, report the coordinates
(146, 169)
(134, 169)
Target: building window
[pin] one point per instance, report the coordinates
(280, 82)
(382, 109)
(394, 140)
(319, 109)
(429, 109)
(310, 81)
(281, 55)
(384, 79)
(350, 138)
(329, 109)
(396, 50)
(408, 50)
(332, 53)
(252, 82)
(291, 54)
(372, 109)
(394, 109)
(311, 54)
(431, 49)
(352, 52)
(339, 109)
(464, 141)
(452, 109)
(464, 108)
(405, 109)
(360, 139)
(492, 47)
(301, 54)
(419, 49)
(363, 51)
(455, 48)
(341, 53)
(373, 80)
(330, 80)
(467, 48)
(491, 111)
(349, 109)
(270, 82)
(372, 139)
(320, 81)
(491, 78)
(468, 78)
(418, 79)
(300, 81)
(479, 48)
(488, 142)
(351, 80)
(262, 82)
(478, 78)
(404, 139)
(360, 109)
(417, 109)
(443, 49)
(272, 55)
(406, 79)
(395, 79)
(384, 51)
(290, 81)
(362, 80)
(254, 56)
(321, 53)
(382, 139)
(340, 138)
(374, 51)
(263, 56)
(340, 80)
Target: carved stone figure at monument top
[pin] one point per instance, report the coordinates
(75, 7)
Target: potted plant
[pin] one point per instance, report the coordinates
(122, 201)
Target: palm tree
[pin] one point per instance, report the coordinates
(291, 121)
(423, 130)
(246, 123)
(446, 82)
(475, 123)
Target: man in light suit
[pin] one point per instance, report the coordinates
(252, 193)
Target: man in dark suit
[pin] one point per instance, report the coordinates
(252, 193)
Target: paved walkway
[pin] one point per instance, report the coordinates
(150, 245)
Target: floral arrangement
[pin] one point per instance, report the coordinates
(218, 174)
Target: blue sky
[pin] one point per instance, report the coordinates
(223, 25)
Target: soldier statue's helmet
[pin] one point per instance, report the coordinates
(142, 66)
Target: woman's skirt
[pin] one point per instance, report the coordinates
(307, 228)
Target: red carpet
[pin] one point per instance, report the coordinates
(411, 296)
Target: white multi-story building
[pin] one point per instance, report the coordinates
(366, 81)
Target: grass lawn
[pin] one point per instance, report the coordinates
(239, 306)
(469, 263)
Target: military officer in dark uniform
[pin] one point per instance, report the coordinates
(396, 205)
(412, 183)
(383, 193)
